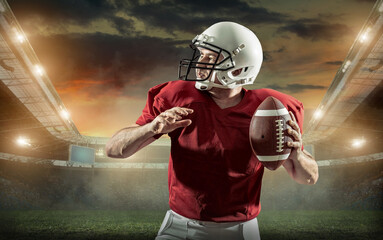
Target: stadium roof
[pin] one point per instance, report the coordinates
(352, 108)
(30, 105)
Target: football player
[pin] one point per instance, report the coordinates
(214, 179)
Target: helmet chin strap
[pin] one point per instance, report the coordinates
(209, 84)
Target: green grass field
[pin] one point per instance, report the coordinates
(37, 224)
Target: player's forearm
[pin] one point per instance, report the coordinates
(129, 140)
(306, 169)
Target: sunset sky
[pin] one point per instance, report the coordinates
(103, 56)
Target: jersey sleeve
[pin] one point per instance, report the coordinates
(155, 104)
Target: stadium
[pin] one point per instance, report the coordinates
(59, 183)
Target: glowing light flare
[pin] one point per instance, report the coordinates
(358, 142)
(346, 65)
(65, 114)
(19, 36)
(364, 37)
(318, 114)
(22, 141)
(39, 70)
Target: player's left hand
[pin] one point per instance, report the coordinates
(295, 134)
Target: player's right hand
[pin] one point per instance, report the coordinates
(170, 120)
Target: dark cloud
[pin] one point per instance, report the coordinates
(268, 55)
(316, 29)
(114, 60)
(295, 87)
(81, 12)
(194, 16)
(170, 15)
(331, 16)
(337, 63)
(60, 13)
(123, 25)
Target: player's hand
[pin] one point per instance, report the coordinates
(295, 134)
(170, 120)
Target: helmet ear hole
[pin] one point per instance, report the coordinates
(236, 72)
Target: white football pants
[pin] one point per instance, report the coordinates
(175, 227)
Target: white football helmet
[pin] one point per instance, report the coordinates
(239, 49)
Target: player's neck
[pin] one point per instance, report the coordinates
(226, 98)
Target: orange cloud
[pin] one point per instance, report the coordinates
(101, 114)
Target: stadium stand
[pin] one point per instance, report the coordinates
(32, 186)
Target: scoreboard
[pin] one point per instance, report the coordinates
(80, 154)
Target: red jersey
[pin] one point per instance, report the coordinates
(213, 174)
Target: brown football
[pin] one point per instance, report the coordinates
(268, 133)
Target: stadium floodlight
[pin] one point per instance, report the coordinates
(39, 70)
(318, 114)
(20, 37)
(65, 114)
(364, 36)
(346, 65)
(358, 142)
(22, 141)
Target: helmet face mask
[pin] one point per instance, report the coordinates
(238, 61)
(188, 67)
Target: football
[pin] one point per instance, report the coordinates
(268, 133)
